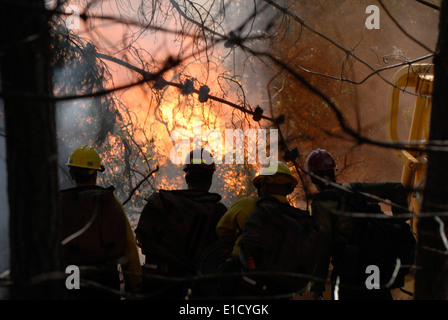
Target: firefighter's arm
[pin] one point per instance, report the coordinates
(132, 266)
(230, 226)
(322, 218)
(143, 224)
(252, 245)
(390, 190)
(133, 276)
(226, 229)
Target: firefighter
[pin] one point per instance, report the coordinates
(229, 229)
(96, 231)
(347, 242)
(175, 228)
(276, 237)
(277, 181)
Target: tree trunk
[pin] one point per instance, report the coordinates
(431, 280)
(31, 148)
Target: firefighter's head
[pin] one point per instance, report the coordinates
(321, 163)
(275, 178)
(199, 168)
(84, 163)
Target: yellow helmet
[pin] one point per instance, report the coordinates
(275, 173)
(85, 157)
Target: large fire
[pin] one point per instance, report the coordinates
(149, 116)
(172, 111)
(153, 116)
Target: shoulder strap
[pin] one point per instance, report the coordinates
(93, 225)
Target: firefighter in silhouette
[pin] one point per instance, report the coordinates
(272, 236)
(231, 225)
(175, 228)
(96, 234)
(356, 233)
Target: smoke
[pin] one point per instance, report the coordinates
(66, 116)
(74, 122)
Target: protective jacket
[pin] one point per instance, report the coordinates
(96, 232)
(174, 229)
(337, 230)
(175, 226)
(232, 223)
(279, 238)
(131, 265)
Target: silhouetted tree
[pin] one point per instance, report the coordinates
(27, 88)
(432, 252)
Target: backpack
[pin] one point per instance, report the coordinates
(378, 241)
(176, 226)
(280, 238)
(93, 225)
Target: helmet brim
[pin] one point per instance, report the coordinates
(278, 178)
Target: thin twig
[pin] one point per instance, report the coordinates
(140, 183)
